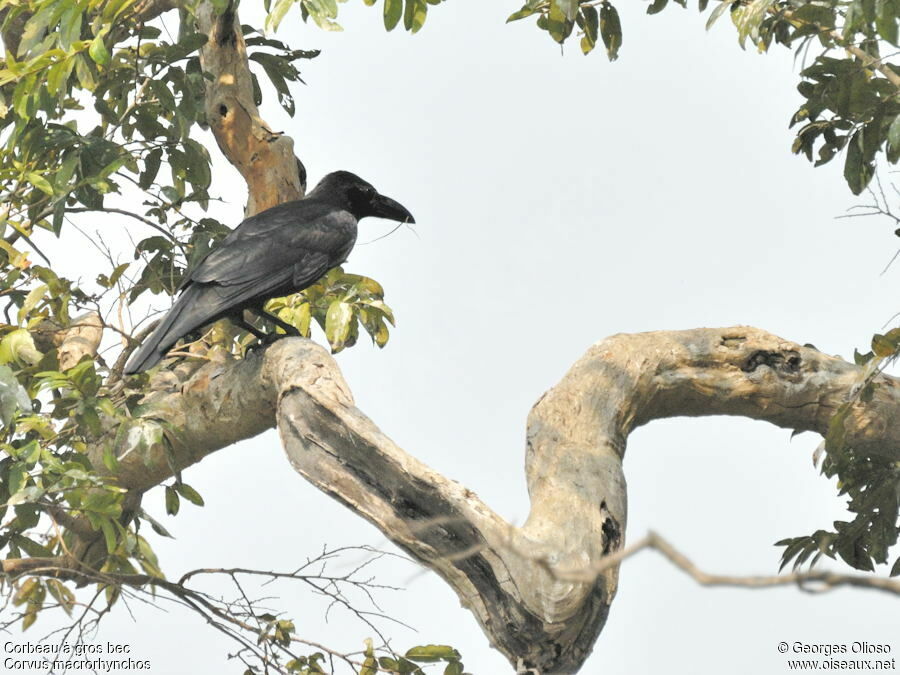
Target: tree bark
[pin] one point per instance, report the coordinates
(264, 158)
(541, 592)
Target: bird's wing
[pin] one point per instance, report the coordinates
(261, 247)
(281, 250)
(303, 271)
(200, 303)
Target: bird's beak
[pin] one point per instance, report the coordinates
(385, 207)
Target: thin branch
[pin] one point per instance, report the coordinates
(124, 212)
(825, 580)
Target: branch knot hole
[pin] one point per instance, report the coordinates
(612, 533)
(733, 341)
(787, 361)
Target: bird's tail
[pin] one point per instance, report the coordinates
(166, 334)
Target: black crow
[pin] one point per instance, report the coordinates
(277, 252)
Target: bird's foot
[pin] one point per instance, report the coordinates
(263, 342)
(271, 338)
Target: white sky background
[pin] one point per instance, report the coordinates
(560, 199)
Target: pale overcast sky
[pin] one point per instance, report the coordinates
(560, 199)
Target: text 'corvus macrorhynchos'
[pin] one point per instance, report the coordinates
(277, 252)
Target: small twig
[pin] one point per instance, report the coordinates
(133, 342)
(123, 212)
(828, 580)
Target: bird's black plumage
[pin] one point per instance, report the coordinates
(276, 252)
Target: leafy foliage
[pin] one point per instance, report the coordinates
(324, 12)
(870, 478)
(850, 89)
(339, 303)
(407, 664)
(101, 111)
(851, 103)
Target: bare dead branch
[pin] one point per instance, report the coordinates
(514, 579)
(815, 581)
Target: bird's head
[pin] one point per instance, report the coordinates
(359, 197)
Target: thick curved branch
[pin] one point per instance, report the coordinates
(522, 584)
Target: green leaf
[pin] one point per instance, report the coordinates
(103, 503)
(337, 324)
(862, 359)
(432, 653)
(109, 534)
(27, 514)
(610, 30)
(657, 6)
(886, 16)
(393, 10)
(322, 12)
(39, 182)
(149, 561)
(718, 12)
(26, 590)
(13, 396)
(31, 547)
(17, 347)
(64, 596)
(414, 16)
(526, 11)
(857, 171)
(198, 172)
(66, 170)
(156, 525)
(893, 137)
(277, 69)
(70, 26)
(884, 345)
(110, 461)
(568, 8)
(189, 493)
(793, 548)
(98, 51)
(561, 19)
(35, 295)
(748, 18)
(29, 619)
(18, 474)
(86, 73)
(590, 23)
(151, 167)
(172, 501)
(273, 20)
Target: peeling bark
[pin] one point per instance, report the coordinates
(80, 338)
(265, 158)
(527, 586)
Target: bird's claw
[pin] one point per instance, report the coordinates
(265, 341)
